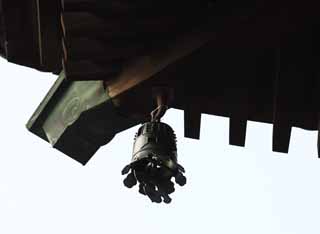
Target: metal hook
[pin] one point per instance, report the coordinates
(158, 113)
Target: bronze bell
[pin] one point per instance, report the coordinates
(154, 162)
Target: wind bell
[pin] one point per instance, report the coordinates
(154, 161)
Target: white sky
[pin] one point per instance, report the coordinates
(230, 189)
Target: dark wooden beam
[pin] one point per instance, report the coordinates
(77, 24)
(318, 143)
(237, 130)
(241, 92)
(146, 67)
(92, 48)
(136, 9)
(21, 33)
(282, 120)
(317, 96)
(294, 99)
(239, 114)
(316, 61)
(49, 30)
(192, 120)
(281, 132)
(89, 70)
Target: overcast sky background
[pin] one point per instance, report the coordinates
(230, 189)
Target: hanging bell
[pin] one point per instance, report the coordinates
(154, 162)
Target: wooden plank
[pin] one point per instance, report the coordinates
(123, 7)
(84, 48)
(295, 81)
(77, 24)
(239, 112)
(315, 68)
(237, 130)
(128, 9)
(89, 70)
(48, 13)
(192, 120)
(21, 44)
(318, 143)
(144, 68)
(240, 91)
(317, 95)
(281, 132)
(282, 121)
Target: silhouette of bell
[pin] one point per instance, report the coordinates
(154, 162)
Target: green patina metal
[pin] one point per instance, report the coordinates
(77, 118)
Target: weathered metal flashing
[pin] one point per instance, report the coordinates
(77, 118)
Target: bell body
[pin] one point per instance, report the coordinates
(154, 162)
(157, 141)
